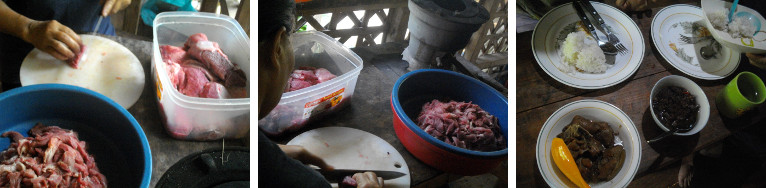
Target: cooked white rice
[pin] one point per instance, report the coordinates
(581, 51)
(741, 27)
(738, 28)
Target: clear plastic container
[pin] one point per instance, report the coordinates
(193, 118)
(297, 108)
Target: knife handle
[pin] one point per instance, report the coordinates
(584, 19)
(600, 21)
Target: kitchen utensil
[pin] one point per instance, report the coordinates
(694, 89)
(601, 25)
(337, 175)
(733, 9)
(552, 30)
(675, 129)
(110, 69)
(608, 48)
(95, 29)
(687, 21)
(349, 148)
(752, 18)
(740, 95)
(694, 40)
(412, 90)
(756, 44)
(620, 122)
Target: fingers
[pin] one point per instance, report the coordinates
(621, 4)
(68, 41)
(114, 6)
(310, 158)
(368, 180)
(380, 182)
(54, 53)
(107, 7)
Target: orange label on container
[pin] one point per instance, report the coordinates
(322, 104)
(159, 87)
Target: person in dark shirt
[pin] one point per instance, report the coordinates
(48, 25)
(283, 165)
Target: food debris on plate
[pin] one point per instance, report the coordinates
(51, 157)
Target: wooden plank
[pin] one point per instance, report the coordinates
(355, 19)
(491, 60)
(397, 22)
(335, 18)
(354, 31)
(243, 16)
(132, 17)
(208, 6)
(313, 22)
(330, 6)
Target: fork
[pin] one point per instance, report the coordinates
(613, 40)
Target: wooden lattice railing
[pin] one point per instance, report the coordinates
(394, 22)
(488, 48)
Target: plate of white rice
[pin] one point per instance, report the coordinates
(738, 34)
(674, 21)
(571, 56)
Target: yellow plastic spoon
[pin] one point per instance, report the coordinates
(566, 163)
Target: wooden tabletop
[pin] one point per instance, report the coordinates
(166, 151)
(538, 95)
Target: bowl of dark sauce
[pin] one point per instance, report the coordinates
(677, 102)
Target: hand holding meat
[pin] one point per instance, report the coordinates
(53, 38)
(368, 180)
(301, 154)
(113, 6)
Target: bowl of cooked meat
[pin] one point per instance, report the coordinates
(603, 142)
(678, 103)
(450, 121)
(56, 135)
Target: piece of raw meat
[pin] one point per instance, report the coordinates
(195, 81)
(78, 57)
(214, 59)
(461, 124)
(214, 90)
(347, 182)
(50, 157)
(304, 77)
(172, 53)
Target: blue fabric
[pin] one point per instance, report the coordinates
(79, 15)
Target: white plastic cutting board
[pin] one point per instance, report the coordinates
(109, 69)
(349, 148)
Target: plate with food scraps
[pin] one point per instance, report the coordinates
(349, 148)
(679, 33)
(107, 67)
(716, 13)
(558, 24)
(593, 115)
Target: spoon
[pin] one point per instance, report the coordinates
(733, 9)
(708, 52)
(672, 131)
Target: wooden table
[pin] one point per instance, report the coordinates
(370, 110)
(538, 95)
(166, 151)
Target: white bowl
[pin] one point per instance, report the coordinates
(595, 110)
(694, 89)
(755, 45)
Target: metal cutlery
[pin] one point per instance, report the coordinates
(693, 40)
(601, 25)
(609, 49)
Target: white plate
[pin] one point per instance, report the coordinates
(673, 21)
(559, 22)
(109, 69)
(757, 44)
(598, 111)
(349, 148)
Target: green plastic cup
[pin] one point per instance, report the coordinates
(742, 94)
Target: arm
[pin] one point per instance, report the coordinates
(49, 36)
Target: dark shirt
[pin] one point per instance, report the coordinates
(79, 15)
(275, 169)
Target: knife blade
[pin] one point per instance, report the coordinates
(98, 23)
(599, 22)
(584, 18)
(337, 175)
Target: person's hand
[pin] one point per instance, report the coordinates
(53, 38)
(113, 6)
(368, 180)
(301, 154)
(759, 60)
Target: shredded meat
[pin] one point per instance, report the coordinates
(461, 124)
(50, 157)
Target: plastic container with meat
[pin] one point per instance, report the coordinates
(195, 118)
(299, 107)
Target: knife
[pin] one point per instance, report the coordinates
(98, 24)
(600, 24)
(337, 175)
(584, 19)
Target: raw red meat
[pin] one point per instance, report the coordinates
(78, 56)
(50, 157)
(214, 59)
(304, 77)
(348, 182)
(461, 124)
(196, 76)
